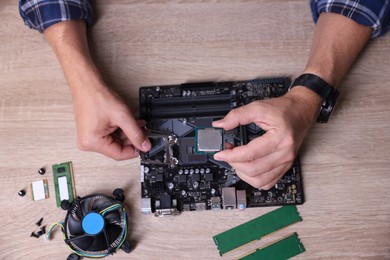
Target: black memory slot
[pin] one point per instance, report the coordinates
(213, 105)
(199, 85)
(193, 101)
(243, 135)
(189, 111)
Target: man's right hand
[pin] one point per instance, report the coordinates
(106, 125)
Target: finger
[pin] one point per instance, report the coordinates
(122, 141)
(120, 137)
(264, 164)
(229, 146)
(134, 132)
(141, 123)
(259, 147)
(241, 116)
(109, 147)
(264, 179)
(277, 178)
(234, 118)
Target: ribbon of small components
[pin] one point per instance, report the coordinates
(258, 228)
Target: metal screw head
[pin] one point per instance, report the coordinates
(42, 171)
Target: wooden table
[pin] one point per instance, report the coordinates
(136, 43)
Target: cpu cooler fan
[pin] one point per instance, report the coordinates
(95, 225)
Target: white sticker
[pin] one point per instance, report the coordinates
(63, 187)
(38, 190)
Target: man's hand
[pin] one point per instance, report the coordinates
(264, 160)
(336, 44)
(104, 122)
(105, 125)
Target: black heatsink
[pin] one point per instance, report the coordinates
(108, 238)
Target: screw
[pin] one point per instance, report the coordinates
(39, 222)
(42, 171)
(21, 193)
(34, 235)
(42, 231)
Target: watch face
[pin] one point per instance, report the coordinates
(328, 106)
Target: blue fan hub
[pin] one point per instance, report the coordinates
(93, 223)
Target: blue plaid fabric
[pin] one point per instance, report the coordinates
(40, 14)
(372, 13)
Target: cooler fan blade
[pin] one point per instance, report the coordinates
(113, 217)
(113, 231)
(74, 226)
(83, 207)
(86, 206)
(100, 204)
(83, 242)
(99, 243)
(78, 210)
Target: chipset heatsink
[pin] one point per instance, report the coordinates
(208, 140)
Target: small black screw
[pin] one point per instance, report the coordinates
(42, 231)
(21, 193)
(34, 235)
(42, 171)
(39, 222)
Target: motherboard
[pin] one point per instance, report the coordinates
(179, 173)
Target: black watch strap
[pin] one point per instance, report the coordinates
(328, 93)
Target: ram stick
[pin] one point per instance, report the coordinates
(63, 182)
(256, 228)
(282, 249)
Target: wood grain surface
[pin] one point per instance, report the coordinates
(345, 163)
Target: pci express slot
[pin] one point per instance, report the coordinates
(256, 228)
(284, 248)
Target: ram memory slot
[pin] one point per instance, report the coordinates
(188, 111)
(285, 248)
(212, 99)
(256, 228)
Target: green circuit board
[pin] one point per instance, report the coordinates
(285, 248)
(256, 228)
(63, 182)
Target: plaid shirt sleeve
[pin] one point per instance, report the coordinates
(372, 13)
(40, 14)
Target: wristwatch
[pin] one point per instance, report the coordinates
(328, 93)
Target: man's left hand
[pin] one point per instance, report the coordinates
(286, 120)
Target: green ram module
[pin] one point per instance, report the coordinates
(256, 228)
(285, 248)
(63, 182)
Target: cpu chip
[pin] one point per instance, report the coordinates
(209, 140)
